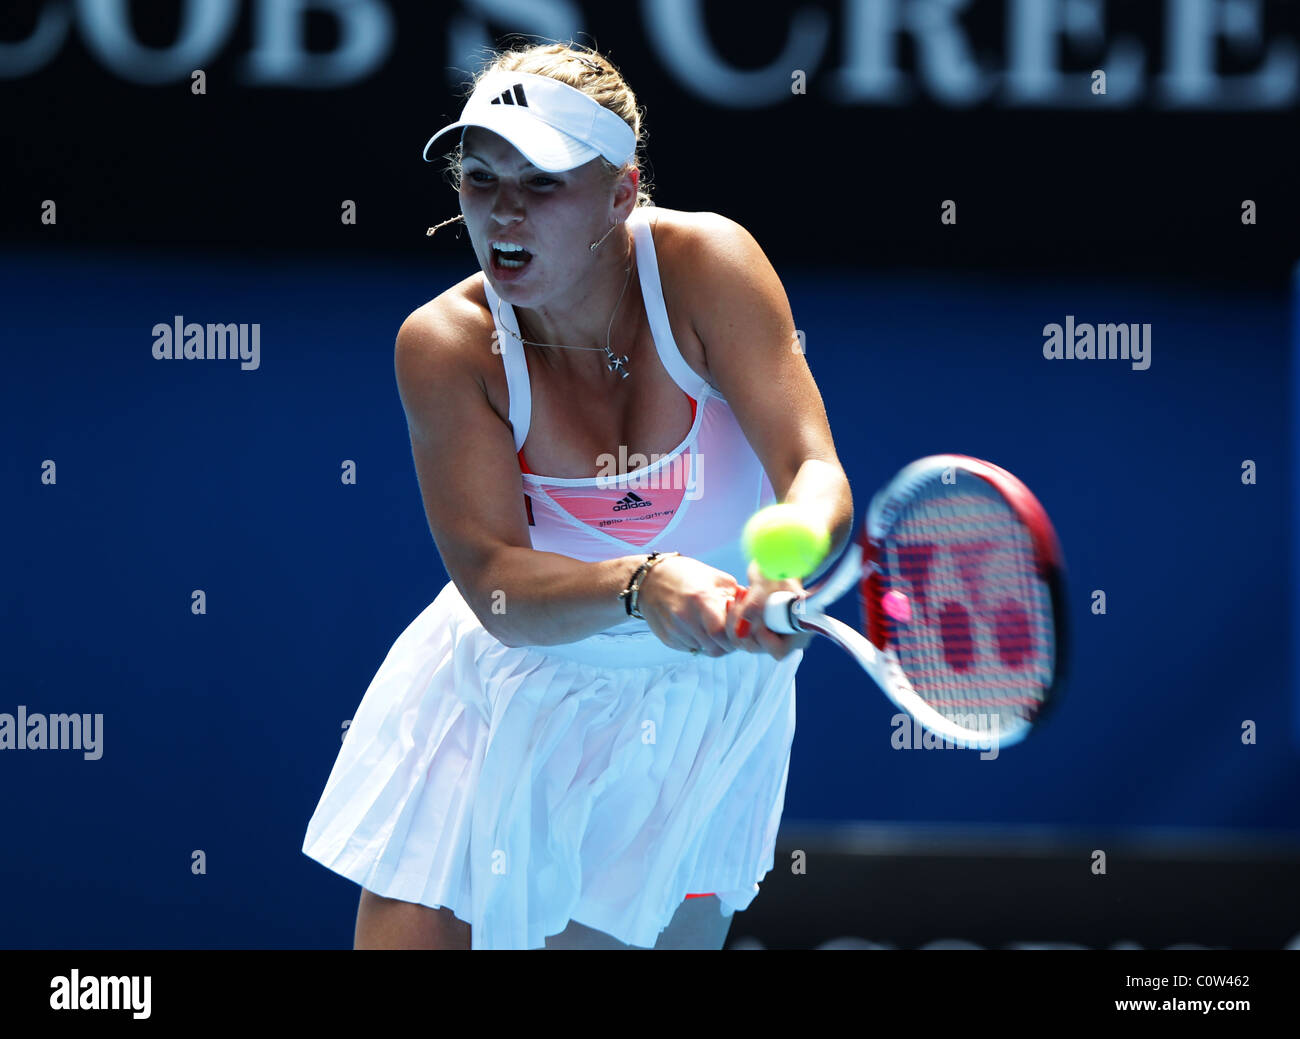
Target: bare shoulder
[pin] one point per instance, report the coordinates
(447, 324)
(706, 257)
(710, 266)
(689, 243)
(450, 337)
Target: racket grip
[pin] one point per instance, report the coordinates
(776, 612)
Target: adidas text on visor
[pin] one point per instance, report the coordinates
(555, 126)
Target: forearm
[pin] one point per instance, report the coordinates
(823, 489)
(531, 598)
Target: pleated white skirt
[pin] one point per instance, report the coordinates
(600, 781)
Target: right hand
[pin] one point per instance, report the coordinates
(685, 602)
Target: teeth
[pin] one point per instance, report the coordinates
(519, 254)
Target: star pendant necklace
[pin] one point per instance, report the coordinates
(613, 363)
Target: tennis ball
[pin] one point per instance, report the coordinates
(785, 541)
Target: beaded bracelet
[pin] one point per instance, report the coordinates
(630, 594)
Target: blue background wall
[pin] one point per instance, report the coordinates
(220, 730)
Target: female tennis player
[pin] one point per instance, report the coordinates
(583, 742)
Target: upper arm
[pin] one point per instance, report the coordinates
(740, 313)
(463, 451)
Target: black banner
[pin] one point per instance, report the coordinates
(1080, 135)
(163, 990)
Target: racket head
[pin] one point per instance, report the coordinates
(963, 592)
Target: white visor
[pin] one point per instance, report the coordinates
(555, 126)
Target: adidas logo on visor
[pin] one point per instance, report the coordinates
(514, 96)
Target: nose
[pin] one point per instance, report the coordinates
(507, 206)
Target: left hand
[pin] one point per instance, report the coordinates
(745, 628)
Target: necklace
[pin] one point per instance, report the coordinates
(613, 363)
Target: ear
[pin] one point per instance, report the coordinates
(625, 189)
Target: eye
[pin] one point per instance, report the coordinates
(544, 182)
(474, 176)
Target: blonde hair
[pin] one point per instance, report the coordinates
(584, 69)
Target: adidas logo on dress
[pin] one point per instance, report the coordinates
(631, 500)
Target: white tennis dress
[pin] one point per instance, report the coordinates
(602, 780)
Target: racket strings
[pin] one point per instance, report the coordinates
(979, 642)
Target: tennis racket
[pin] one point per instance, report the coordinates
(961, 584)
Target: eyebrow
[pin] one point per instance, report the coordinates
(525, 166)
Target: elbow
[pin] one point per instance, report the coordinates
(508, 634)
(503, 636)
(490, 613)
(489, 608)
(499, 599)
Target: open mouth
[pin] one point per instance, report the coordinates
(510, 259)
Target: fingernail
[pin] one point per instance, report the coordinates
(742, 629)
(740, 594)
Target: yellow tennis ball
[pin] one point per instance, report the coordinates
(785, 541)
